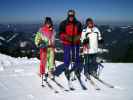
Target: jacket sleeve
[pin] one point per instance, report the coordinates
(53, 37)
(38, 38)
(78, 36)
(99, 34)
(80, 28)
(62, 30)
(44, 38)
(83, 36)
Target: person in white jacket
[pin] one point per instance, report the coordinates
(89, 39)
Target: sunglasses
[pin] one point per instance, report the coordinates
(70, 16)
(88, 23)
(50, 26)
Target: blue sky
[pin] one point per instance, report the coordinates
(35, 10)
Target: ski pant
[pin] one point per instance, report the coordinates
(46, 59)
(71, 52)
(90, 63)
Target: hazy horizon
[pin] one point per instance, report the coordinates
(118, 23)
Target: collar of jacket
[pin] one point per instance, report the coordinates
(67, 20)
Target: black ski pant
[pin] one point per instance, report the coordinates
(90, 63)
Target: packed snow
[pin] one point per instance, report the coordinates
(19, 81)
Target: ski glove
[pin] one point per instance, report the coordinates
(73, 38)
(86, 41)
(101, 41)
(76, 38)
(87, 35)
(39, 41)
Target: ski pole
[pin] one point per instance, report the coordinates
(102, 45)
(73, 75)
(42, 82)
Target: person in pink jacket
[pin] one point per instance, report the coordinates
(45, 38)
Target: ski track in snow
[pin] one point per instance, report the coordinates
(19, 81)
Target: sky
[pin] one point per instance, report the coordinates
(36, 10)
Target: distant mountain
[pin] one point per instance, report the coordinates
(117, 40)
(18, 40)
(16, 44)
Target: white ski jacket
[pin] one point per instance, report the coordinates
(94, 35)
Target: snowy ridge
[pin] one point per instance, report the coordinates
(1, 38)
(10, 61)
(12, 38)
(19, 81)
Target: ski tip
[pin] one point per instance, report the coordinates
(73, 79)
(72, 89)
(43, 85)
(85, 88)
(112, 86)
(56, 92)
(44, 80)
(119, 88)
(66, 90)
(98, 89)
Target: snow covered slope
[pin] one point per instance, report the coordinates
(19, 81)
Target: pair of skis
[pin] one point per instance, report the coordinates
(81, 83)
(101, 81)
(51, 87)
(71, 88)
(57, 83)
